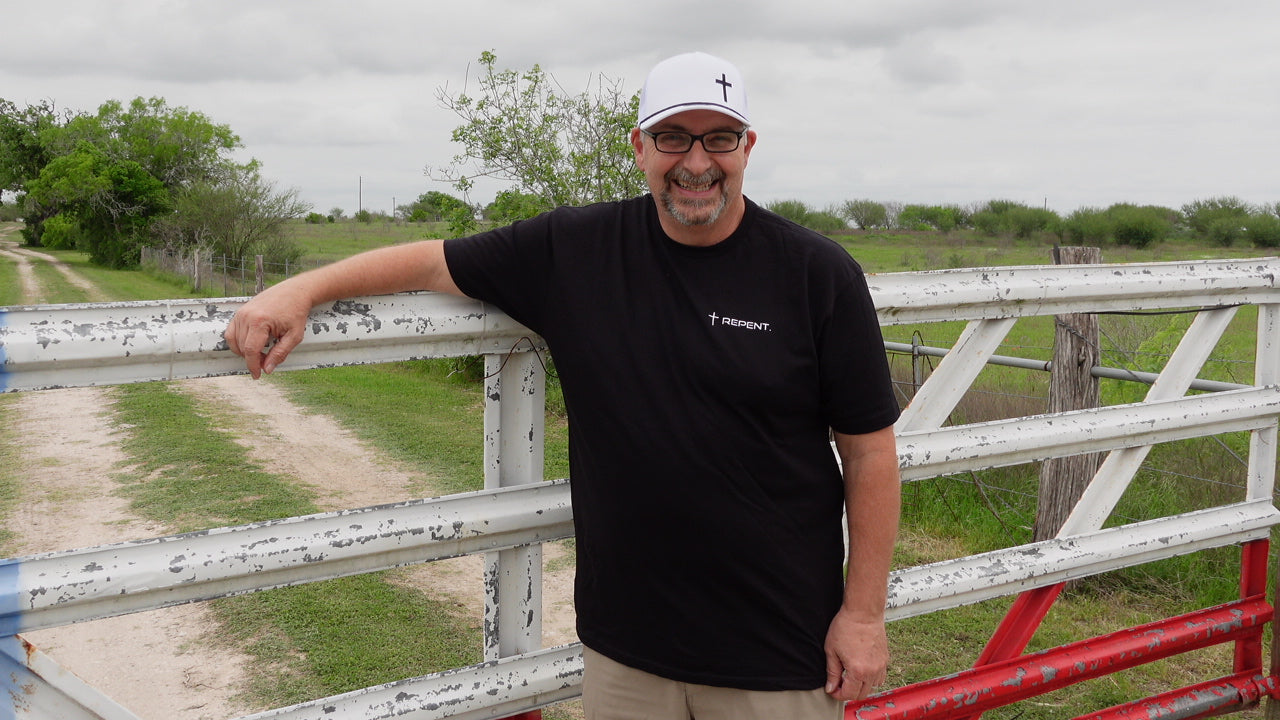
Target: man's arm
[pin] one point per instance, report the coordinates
(857, 647)
(280, 312)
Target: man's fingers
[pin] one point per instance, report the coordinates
(284, 345)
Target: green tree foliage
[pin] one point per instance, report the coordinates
(1220, 219)
(62, 232)
(944, 218)
(1122, 223)
(1087, 226)
(434, 206)
(1008, 217)
(512, 205)
(237, 215)
(524, 129)
(1138, 226)
(113, 200)
(793, 210)
(824, 221)
(23, 141)
(1262, 230)
(865, 214)
(116, 173)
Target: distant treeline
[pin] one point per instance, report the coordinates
(1224, 221)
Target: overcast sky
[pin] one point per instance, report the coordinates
(1069, 104)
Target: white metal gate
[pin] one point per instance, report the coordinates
(109, 343)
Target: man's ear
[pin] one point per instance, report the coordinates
(637, 144)
(751, 142)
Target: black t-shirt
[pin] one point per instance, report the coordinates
(700, 385)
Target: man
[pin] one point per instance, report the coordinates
(707, 349)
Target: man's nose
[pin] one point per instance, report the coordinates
(697, 160)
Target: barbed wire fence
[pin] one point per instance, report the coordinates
(220, 274)
(1010, 496)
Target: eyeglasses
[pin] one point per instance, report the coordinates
(675, 143)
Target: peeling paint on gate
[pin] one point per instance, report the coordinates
(50, 346)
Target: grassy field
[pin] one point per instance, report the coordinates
(943, 518)
(326, 242)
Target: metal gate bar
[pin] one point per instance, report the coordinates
(981, 689)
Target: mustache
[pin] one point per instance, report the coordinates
(684, 177)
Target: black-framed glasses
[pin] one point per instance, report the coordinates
(717, 141)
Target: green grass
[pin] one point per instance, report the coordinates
(189, 473)
(314, 640)
(119, 284)
(10, 484)
(894, 251)
(340, 635)
(326, 242)
(54, 286)
(10, 284)
(419, 414)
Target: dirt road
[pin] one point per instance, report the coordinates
(161, 664)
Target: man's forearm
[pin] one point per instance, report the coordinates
(397, 268)
(873, 502)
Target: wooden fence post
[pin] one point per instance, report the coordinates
(259, 283)
(1071, 387)
(195, 269)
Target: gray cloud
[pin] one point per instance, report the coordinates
(1089, 102)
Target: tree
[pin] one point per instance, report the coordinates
(434, 206)
(25, 138)
(1262, 230)
(1138, 226)
(944, 218)
(823, 221)
(239, 215)
(866, 214)
(525, 129)
(1220, 219)
(1087, 226)
(24, 147)
(512, 205)
(112, 172)
(113, 201)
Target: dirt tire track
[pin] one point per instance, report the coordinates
(158, 664)
(32, 289)
(166, 664)
(323, 455)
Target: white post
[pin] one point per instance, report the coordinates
(515, 394)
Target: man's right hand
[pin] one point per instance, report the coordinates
(279, 313)
(266, 329)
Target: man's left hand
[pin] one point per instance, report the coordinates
(857, 656)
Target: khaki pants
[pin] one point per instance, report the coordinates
(613, 691)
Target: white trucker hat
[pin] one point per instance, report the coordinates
(693, 81)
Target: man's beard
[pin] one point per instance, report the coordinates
(708, 210)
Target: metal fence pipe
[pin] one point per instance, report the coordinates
(1099, 371)
(37, 687)
(50, 346)
(1203, 700)
(997, 443)
(999, 684)
(479, 692)
(987, 293)
(54, 589)
(951, 583)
